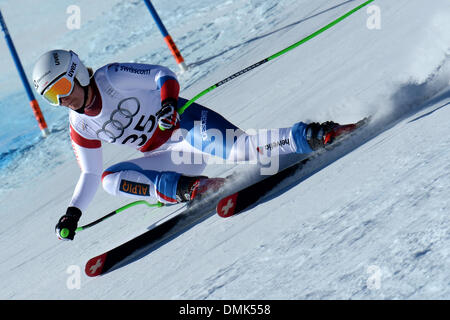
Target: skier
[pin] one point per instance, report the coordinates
(136, 105)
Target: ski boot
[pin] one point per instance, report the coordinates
(190, 188)
(319, 135)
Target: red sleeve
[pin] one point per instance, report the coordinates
(170, 89)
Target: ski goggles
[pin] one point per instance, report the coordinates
(63, 85)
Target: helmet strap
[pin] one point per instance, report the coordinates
(86, 90)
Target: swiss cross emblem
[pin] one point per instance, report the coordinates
(95, 265)
(227, 206)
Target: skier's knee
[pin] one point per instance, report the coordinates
(110, 182)
(138, 184)
(127, 183)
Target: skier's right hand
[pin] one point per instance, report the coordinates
(168, 117)
(67, 224)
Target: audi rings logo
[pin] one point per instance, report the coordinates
(120, 119)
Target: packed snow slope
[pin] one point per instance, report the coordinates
(368, 221)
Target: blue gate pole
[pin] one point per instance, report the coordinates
(33, 103)
(167, 38)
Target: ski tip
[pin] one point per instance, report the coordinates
(364, 121)
(95, 265)
(227, 206)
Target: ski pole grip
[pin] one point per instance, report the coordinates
(64, 233)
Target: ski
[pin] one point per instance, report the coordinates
(195, 212)
(151, 239)
(244, 198)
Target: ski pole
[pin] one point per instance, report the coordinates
(65, 231)
(276, 55)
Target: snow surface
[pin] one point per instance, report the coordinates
(368, 221)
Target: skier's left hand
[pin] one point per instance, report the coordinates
(168, 117)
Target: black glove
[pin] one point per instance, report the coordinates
(168, 117)
(67, 224)
(319, 135)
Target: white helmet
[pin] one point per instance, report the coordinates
(54, 65)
